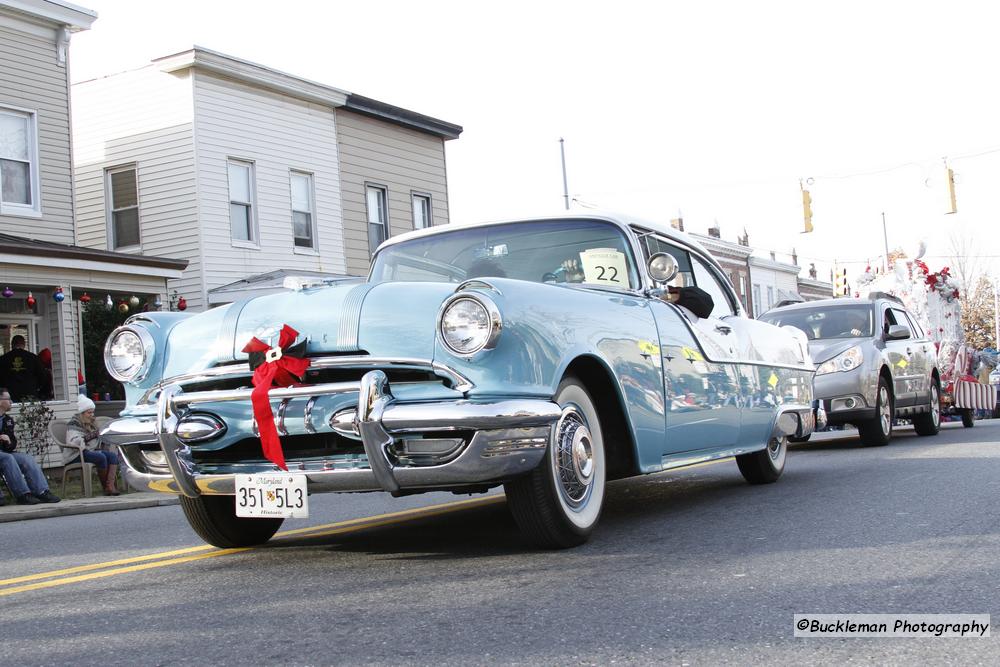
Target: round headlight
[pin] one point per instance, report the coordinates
(468, 324)
(127, 354)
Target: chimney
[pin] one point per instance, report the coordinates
(678, 224)
(714, 231)
(773, 259)
(795, 257)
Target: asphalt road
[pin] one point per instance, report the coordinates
(687, 567)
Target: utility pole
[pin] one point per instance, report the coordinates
(885, 237)
(562, 152)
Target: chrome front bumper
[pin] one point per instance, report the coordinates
(509, 438)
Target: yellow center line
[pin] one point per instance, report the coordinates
(340, 527)
(72, 575)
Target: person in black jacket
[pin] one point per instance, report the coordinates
(21, 471)
(21, 371)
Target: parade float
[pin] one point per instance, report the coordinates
(935, 297)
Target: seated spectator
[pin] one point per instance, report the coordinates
(82, 431)
(20, 470)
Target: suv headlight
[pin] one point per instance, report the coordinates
(128, 353)
(847, 360)
(468, 323)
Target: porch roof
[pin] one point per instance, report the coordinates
(20, 250)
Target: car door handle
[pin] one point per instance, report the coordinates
(723, 329)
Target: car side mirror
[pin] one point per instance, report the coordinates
(662, 267)
(897, 332)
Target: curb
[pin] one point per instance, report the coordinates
(9, 513)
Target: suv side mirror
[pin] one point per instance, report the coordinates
(897, 332)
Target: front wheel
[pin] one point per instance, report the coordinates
(214, 519)
(878, 431)
(929, 423)
(558, 504)
(765, 466)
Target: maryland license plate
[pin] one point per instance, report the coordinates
(271, 495)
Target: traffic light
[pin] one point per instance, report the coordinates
(950, 178)
(807, 212)
(840, 286)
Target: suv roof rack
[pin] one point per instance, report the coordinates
(885, 295)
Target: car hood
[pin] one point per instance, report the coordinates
(824, 350)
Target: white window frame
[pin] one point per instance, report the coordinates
(111, 210)
(33, 210)
(311, 179)
(421, 197)
(756, 300)
(384, 191)
(253, 229)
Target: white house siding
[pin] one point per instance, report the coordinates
(776, 275)
(143, 117)
(278, 133)
(31, 78)
(403, 161)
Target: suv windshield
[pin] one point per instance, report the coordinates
(563, 251)
(846, 321)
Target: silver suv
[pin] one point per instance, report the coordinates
(873, 363)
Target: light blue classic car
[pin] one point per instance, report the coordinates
(544, 355)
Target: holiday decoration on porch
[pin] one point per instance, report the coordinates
(158, 302)
(84, 298)
(122, 306)
(58, 295)
(134, 302)
(30, 300)
(182, 304)
(109, 303)
(281, 366)
(8, 292)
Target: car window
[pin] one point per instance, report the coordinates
(899, 317)
(562, 251)
(706, 279)
(915, 326)
(843, 321)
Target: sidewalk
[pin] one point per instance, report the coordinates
(126, 501)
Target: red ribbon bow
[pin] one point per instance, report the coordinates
(280, 366)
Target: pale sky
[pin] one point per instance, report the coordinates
(711, 109)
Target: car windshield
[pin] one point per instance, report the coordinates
(554, 251)
(825, 322)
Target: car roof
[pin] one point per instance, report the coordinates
(822, 303)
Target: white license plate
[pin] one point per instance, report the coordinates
(270, 495)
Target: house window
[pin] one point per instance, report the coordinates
(743, 290)
(421, 211)
(123, 193)
(756, 300)
(378, 216)
(18, 163)
(241, 213)
(770, 297)
(303, 220)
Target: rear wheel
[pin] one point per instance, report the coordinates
(214, 519)
(878, 431)
(765, 466)
(801, 438)
(968, 420)
(558, 504)
(929, 423)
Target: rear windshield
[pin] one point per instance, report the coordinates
(563, 251)
(821, 323)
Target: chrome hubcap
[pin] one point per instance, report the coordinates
(935, 406)
(574, 457)
(774, 448)
(885, 410)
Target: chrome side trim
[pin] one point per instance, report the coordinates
(350, 317)
(458, 381)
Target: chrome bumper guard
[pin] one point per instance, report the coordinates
(799, 420)
(510, 437)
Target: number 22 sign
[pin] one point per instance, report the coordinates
(604, 266)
